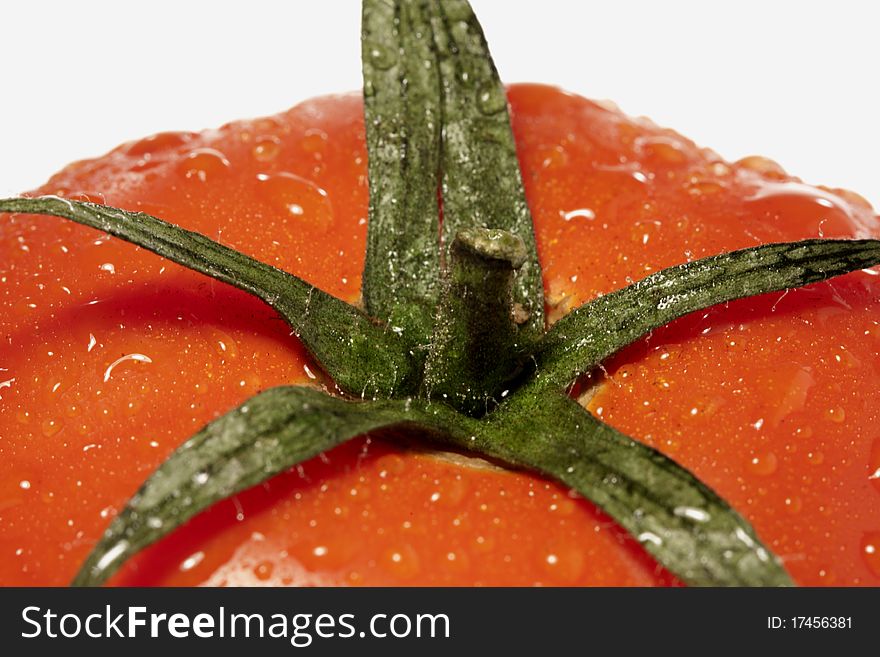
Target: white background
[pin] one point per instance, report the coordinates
(795, 81)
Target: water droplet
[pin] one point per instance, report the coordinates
(157, 143)
(51, 427)
(139, 358)
(6, 384)
(584, 213)
(815, 458)
(794, 398)
(224, 344)
(806, 209)
(643, 231)
(553, 157)
(835, 414)
(402, 562)
(701, 187)
(564, 563)
(763, 463)
(693, 513)
(24, 484)
(203, 163)
(314, 141)
(793, 504)
(192, 561)
(663, 148)
(88, 197)
(266, 148)
(390, 465)
(871, 551)
(111, 555)
(263, 570)
(491, 99)
(763, 166)
(874, 464)
(298, 198)
(484, 543)
(381, 57)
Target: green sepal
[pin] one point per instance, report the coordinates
(402, 117)
(582, 339)
(680, 521)
(269, 433)
(362, 357)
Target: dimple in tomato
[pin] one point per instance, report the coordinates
(112, 357)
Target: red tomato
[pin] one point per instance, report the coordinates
(112, 357)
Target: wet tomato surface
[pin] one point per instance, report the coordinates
(111, 357)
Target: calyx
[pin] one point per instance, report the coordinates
(452, 343)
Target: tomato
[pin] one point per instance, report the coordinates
(112, 357)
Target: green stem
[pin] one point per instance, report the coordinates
(477, 347)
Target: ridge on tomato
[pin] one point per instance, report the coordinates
(573, 193)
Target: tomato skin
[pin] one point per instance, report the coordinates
(782, 384)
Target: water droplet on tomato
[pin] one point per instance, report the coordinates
(263, 570)
(484, 543)
(402, 562)
(203, 163)
(564, 563)
(871, 551)
(763, 463)
(579, 213)
(192, 561)
(661, 148)
(553, 157)
(250, 382)
(314, 141)
(836, 414)
(88, 197)
(138, 358)
(266, 148)
(224, 344)
(795, 386)
(762, 165)
(874, 464)
(643, 231)
(805, 209)
(157, 143)
(297, 197)
(793, 504)
(455, 491)
(51, 427)
(701, 187)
